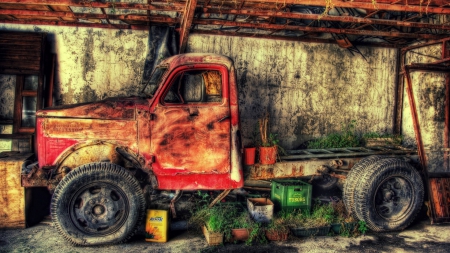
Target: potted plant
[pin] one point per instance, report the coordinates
(239, 228)
(316, 223)
(212, 220)
(277, 229)
(343, 223)
(244, 228)
(269, 142)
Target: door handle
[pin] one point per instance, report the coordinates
(193, 112)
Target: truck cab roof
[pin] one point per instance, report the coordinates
(196, 58)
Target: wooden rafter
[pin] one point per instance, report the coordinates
(155, 5)
(186, 23)
(368, 5)
(287, 38)
(320, 29)
(64, 14)
(347, 19)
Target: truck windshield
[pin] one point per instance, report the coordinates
(152, 86)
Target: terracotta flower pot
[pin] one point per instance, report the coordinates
(267, 155)
(239, 234)
(273, 235)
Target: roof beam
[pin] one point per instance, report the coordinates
(320, 29)
(178, 5)
(78, 24)
(62, 14)
(424, 8)
(155, 5)
(186, 23)
(347, 19)
(287, 38)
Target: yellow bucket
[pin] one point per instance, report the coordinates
(157, 226)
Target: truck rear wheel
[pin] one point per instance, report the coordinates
(97, 203)
(389, 195)
(352, 178)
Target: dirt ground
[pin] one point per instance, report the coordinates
(420, 237)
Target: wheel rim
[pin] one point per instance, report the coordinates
(99, 208)
(394, 198)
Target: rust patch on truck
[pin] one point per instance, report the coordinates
(90, 129)
(192, 140)
(277, 170)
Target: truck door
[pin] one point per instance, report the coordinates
(191, 123)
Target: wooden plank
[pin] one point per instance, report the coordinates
(186, 23)
(12, 197)
(6, 47)
(20, 65)
(24, 7)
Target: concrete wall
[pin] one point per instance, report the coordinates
(309, 89)
(93, 64)
(429, 94)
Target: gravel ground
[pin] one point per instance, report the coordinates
(420, 237)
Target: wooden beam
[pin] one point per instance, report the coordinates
(62, 14)
(155, 5)
(63, 23)
(186, 23)
(345, 19)
(178, 5)
(320, 29)
(288, 38)
(378, 5)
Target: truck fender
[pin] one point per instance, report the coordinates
(89, 152)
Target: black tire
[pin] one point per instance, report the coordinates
(389, 195)
(98, 203)
(352, 178)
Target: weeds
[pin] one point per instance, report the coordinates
(346, 138)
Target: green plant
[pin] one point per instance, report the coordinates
(362, 227)
(214, 218)
(389, 138)
(346, 138)
(321, 215)
(279, 225)
(256, 234)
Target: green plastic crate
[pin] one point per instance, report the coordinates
(290, 194)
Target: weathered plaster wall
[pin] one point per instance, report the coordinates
(93, 64)
(309, 89)
(429, 94)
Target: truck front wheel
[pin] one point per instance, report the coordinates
(389, 195)
(97, 203)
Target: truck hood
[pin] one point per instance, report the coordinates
(111, 108)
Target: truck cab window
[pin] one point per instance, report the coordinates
(197, 86)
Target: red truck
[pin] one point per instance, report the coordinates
(102, 159)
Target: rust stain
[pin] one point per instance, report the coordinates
(191, 140)
(440, 193)
(90, 129)
(268, 171)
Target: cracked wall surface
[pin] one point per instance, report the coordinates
(429, 94)
(92, 64)
(309, 89)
